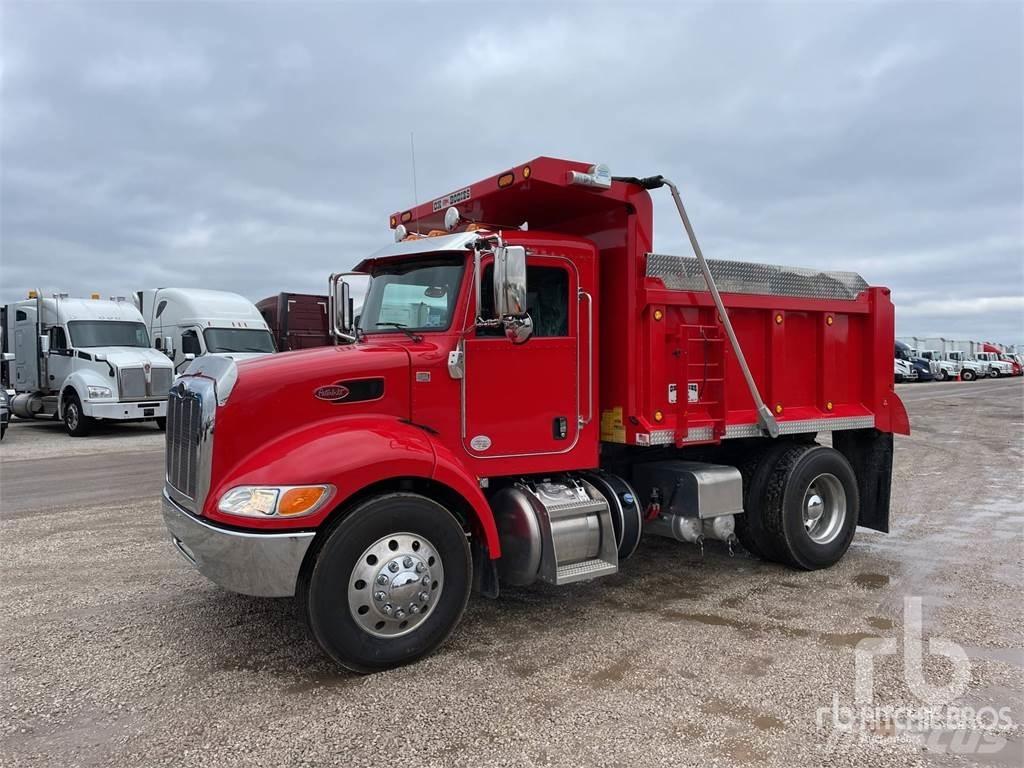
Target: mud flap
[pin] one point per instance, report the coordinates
(870, 454)
(485, 570)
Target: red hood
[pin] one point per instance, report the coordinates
(277, 394)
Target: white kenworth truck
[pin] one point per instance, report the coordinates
(83, 360)
(186, 323)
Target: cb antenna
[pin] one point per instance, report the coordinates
(415, 194)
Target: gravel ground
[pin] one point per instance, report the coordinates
(115, 652)
(45, 439)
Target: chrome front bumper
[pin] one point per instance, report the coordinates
(261, 564)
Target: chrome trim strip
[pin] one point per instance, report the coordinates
(733, 431)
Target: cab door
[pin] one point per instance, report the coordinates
(60, 360)
(525, 399)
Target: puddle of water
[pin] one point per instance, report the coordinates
(879, 622)
(871, 580)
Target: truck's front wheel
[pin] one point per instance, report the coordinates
(75, 422)
(389, 584)
(967, 374)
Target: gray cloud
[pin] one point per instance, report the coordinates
(259, 147)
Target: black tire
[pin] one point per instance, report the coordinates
(3, 429)
(76, 422)
(941, 375)
(324, 583)
(750, 526)
(161, 423)
(967, 374)
(794, 473)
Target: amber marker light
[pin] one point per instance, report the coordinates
(299, 501)
(506, 179)
(526, 172)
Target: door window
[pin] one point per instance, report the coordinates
(547, 301)
(190, 343)
(58, 340)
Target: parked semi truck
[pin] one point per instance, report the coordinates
(83, 360)
(297, 320)
(914, 367)
(186, 323)
(1001, 363)
(958, 353)
(556, 389)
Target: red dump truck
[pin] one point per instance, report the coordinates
(529, 388)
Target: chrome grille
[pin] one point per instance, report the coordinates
(161, 380)
(184, 429)
(132, 383)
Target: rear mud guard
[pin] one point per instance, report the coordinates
(870, 454)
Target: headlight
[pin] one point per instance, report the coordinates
(274, 500)
(97, 393)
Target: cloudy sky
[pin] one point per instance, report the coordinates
(258, 147)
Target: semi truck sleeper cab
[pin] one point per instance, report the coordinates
(529, 388)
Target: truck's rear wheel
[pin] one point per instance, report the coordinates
(810, 506)
(75, 421)
(389, 584)
(750, 527)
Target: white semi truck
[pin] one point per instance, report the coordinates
(959, 353)
(186, 323)
(83, 360)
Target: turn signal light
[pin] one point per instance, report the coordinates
(298, 501)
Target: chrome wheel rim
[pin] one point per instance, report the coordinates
(395, 584)
(72, 416)
(824, 508)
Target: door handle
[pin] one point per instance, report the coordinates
(581, 295)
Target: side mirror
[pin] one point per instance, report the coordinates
(340, 306)
(6, 357)
(169, 346)
(510, 281)
(44, 345)
(510, 292)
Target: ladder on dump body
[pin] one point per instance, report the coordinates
(703, 366)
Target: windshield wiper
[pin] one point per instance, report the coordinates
(404, 329)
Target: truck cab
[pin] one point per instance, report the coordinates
(970, 369)
(186, 323)
(996, 364)
(915, 368)
(82, 361)
(944, 369)
(528, 388)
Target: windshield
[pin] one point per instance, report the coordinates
(415, 295)
(238, 340)
(903, 351)
(107, 333)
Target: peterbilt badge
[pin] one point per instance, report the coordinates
(332, 393)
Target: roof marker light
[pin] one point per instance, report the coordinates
(526, 171)
(407, 216)
(506, 179)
